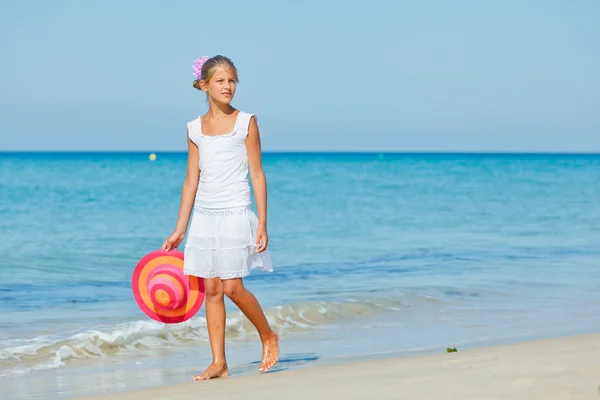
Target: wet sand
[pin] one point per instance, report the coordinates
(558, 368)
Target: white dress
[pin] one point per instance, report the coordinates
(221, 240)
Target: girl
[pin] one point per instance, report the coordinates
(226, 240)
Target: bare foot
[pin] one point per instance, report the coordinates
(213, 371)
(270, 352)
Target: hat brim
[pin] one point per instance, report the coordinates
(192, 286)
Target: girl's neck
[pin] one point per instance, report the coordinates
(218, 111)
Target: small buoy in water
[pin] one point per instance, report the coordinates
(152, 157)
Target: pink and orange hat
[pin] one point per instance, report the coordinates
(161, 289)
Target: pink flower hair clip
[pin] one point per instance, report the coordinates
(197, 67)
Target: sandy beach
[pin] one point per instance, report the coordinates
(558, 368)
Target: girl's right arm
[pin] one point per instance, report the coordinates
(188, 194)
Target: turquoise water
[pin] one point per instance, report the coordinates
(374, 253)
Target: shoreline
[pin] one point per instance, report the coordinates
(554, 368)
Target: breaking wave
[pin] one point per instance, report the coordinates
(46, 352)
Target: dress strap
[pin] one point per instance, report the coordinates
(194, 129)
(243, 121)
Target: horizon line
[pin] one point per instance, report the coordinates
(397, 152)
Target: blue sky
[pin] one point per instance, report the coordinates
(428, 75)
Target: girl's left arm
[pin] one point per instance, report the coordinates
(259, 183)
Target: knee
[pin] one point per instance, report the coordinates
(233, 292)
(213, 290)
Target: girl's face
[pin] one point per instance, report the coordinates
(221, 87)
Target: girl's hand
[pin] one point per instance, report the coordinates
(173, 241)
(261, 239)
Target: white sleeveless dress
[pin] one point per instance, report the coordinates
(221, 240)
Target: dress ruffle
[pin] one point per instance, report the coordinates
(221, 243)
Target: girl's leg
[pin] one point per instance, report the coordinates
(245, 300)
(215, 319)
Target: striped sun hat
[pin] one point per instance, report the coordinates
(163, 291)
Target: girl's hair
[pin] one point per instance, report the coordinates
(211, 65)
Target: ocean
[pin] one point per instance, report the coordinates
(375, 254)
